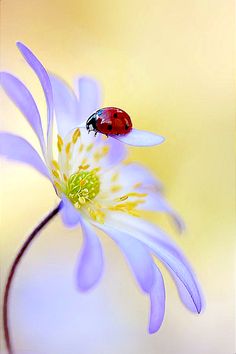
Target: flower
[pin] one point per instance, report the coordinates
(98, 189)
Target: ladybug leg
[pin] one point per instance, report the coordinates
(95, 134)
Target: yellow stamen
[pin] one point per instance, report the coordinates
(105, 150)
(81, 148)
(135, 194)
(84, 161)
(97, 156)
(137, 185)
(97, 215)
(68, 148)
(124, 197)
(97, 205)
(58, 186)
(59, 143)
(127, 206)
(132, 194)
(116, 188)
(56, 174)
(89, 147)
(114, 177)
(130, 209)
(134, 212)
(56, 165)
(96, 169)
(84, 167)
(65, 177)
(76, 135)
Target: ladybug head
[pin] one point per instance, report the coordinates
(91, 123)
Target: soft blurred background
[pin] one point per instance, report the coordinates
(170, 65)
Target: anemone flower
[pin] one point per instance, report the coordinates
(97, 190)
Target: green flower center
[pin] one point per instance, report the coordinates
(82, 187)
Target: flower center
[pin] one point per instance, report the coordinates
(82, 187)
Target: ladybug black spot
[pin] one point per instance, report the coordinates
(115, 115)
(109, 127)
(126, 126)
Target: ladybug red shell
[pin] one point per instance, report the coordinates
(109, 121)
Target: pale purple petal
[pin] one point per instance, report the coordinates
(15, 148)
(90, 265)
(137, 255)
(43, 78)
(171, 257)
(157, 299)
(140, 138)
(156, 202)
(185, 295)
(134, 173)
(66, 105)
(117, 153)
(70, 216)
(180, 271)
(131, 224)
(23, 99)
(89, 97)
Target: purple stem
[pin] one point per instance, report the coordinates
(12, 272)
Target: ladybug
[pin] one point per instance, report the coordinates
(109, 121)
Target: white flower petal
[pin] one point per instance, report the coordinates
(140, 138)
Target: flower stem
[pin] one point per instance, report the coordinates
(12, 272)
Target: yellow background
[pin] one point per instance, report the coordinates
(170, 65)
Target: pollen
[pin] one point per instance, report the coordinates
(82, 187)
